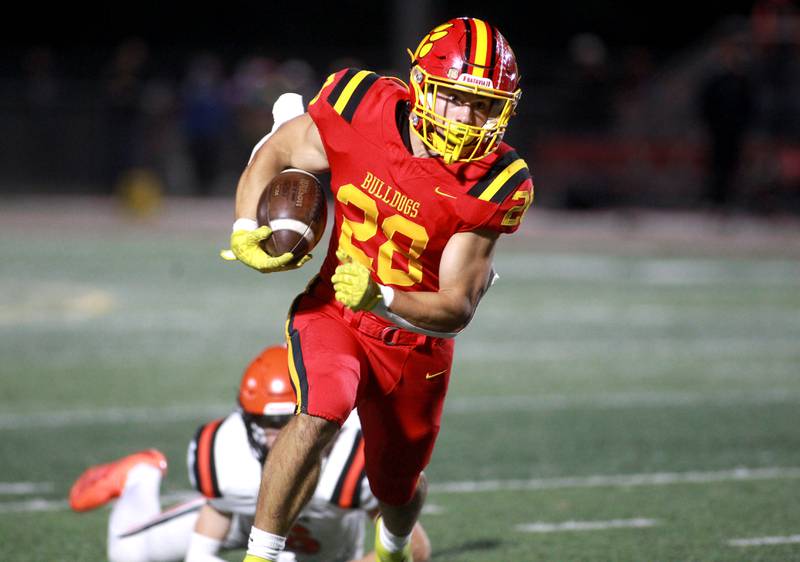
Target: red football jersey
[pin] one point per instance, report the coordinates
(394, 212)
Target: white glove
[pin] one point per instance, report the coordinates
(286, 107)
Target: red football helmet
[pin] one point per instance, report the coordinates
(266, 395)
(469, 56)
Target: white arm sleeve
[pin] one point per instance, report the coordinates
(287, 106)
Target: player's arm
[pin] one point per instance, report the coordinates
(464, 275)
(295, 144)
(210, 530)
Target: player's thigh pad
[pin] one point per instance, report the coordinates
(326, 363)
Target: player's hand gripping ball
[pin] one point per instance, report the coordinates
(353, 285)
(246, 246)
(292, 214)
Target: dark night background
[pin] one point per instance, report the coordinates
(613, 109)
(349, 27)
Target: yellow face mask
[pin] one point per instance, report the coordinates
(452, 140)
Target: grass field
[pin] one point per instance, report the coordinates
(617, 398)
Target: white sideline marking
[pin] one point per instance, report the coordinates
(617, 480)
(765, 541)
(637, 523)
(22, 488)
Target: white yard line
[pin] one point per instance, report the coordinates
(539, 527)
(454, 405)
(612, 401)
(43, 504)
(469, 487)
(656, 348)
(617, 480)
(33, 504)
(765, 541)
(67, 418)
(24, 488)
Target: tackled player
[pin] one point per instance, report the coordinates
(224, 461)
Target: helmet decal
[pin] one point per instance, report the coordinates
(427, 42)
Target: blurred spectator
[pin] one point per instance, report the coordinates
(125, 80)
(589, 116)
(776, 30)
(727, 102)
(254, 91)
(591, 94)
(41, 111)
(206, 118)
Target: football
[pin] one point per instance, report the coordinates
(294, 206)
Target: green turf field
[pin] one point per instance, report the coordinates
(605, 406)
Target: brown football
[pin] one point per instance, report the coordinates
(294, 206)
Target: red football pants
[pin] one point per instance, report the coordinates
(397, 380)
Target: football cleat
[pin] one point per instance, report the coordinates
(383, 555)
(101, 483)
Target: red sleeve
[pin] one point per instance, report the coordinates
(507, 190)
(339, 103)
(509, 214)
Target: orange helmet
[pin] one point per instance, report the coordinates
(266, 395)
(471, 56)
(266, 389)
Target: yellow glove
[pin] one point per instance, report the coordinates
(353, 285)
(246, 247)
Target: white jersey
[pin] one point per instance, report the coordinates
(224, 468)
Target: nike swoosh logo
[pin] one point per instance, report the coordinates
(443, 194)
(431, 375)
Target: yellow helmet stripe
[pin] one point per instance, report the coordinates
(481, 59)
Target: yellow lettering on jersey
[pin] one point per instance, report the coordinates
(359, 229)
(364, 225)
(419, 240)
(514, 215)
(378, 188)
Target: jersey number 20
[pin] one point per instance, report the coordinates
(362, 231)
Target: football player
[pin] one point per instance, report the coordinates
(225, 463)
(423, 186)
